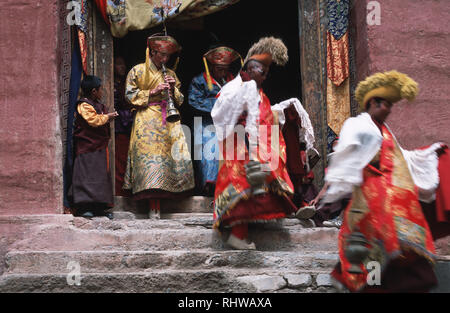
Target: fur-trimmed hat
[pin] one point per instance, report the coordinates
(268, 50)
(392, 86)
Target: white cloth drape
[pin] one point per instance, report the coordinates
(423, 166)
(238, 96)
(306, 131)
(234, 98)
(359, 141)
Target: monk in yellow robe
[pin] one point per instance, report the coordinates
(159, 163)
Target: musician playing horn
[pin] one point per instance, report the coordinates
(203, 92)
(159, 164)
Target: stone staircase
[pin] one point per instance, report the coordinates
(179, 253)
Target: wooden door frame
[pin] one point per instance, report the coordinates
(100, 62)
(313, 67)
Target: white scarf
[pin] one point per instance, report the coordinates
(238, 96)
(359, 141)
(234, 98)
(306, 131)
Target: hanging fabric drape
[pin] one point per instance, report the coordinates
(124, 16)
(75, 81)
(82, 31)
(337, 59)
(338, 87)
(102, 6)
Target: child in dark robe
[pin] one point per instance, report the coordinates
(91, 189)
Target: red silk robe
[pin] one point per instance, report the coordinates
(233, 202)
(390, 217)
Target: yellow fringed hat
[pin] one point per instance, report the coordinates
(392, 86)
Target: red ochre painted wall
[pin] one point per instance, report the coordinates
(30, 131)
(414, 38)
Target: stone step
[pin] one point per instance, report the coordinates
(442, 269)
(186, 281)
(192, 219)
(194, 204)
(41, 262)
(205, 281)
(20, 230)
(202, 219)
(79, 234)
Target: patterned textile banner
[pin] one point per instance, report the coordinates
(338, 104)
(338, 86)
(83, 49)
(338, 11)
(82, 32)
(124, 16)
(337, 58)
(331, 136)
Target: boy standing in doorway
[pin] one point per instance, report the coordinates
(91, 183)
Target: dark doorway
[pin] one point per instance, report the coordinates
(243, 24)
(238, 27)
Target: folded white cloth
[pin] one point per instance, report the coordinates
(306, 131)
(359, 141)
(236, 97)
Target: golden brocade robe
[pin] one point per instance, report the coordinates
(158, 156)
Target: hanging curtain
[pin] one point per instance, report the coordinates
(82, 31)
(124, 16)
(101, 6)
(75, 81)
(338, 87)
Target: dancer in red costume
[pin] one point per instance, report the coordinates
(243, 103)
(387, 183)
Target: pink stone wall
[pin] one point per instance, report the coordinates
(30, 143)
(358, 16)
(413, 38)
